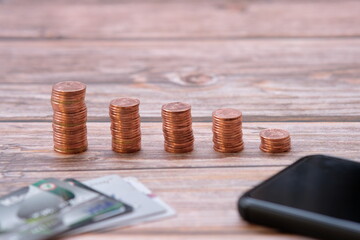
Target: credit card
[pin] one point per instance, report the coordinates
(116, 187)
(39, 200)
(50, 207)
(106, 208)
(169, 211)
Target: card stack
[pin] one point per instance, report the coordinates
(51, 207)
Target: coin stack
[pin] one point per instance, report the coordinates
(227, 130)
(69, 119)
(177, 127)
(275, 141)
(125, 125)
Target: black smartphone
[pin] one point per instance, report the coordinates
(317, 196)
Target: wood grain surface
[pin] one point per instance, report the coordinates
(154, 19)
(285, 64)
(266, 79)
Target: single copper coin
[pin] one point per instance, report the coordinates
(274, 134)
(275, 150)
(227, 113)
(171, 149)
(70, 151)
(125, 102)
(69, 87)
(176, 107)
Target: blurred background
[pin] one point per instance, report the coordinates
(269, 58)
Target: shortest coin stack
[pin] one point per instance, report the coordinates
(275, 141)
(69, 119)
(227, 130)
(125, 125)
(177, 127)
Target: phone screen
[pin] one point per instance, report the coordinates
(320, 184)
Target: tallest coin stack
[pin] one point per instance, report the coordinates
(69, 119)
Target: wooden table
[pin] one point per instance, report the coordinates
(286, 64)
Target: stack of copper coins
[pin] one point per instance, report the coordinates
(227, 130)
(275, 141)
(125, 125)
(69, 119)
(177, 127)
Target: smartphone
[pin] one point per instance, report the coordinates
(317, 196)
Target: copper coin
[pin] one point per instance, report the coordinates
(227, 113)
(126, 150)
(71, 151)
(279, 150)
(180, 145)
(69, 138)
(178, 150)
(69, 87)
(77, 128)
(229, 150)
(65, 145)
(274, 134)
(125, 137)
(67, 99)
(176, 107)
(73, 108)
(125, 102)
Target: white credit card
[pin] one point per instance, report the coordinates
(142, 188)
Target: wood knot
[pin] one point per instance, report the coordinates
(193, 79)
(198, 79)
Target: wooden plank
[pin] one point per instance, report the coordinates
(178, 19)
(205, 200)
(28, 147)
(267, 79)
